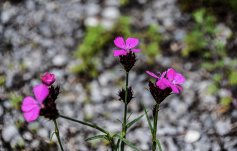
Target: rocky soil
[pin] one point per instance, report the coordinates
(41, 35)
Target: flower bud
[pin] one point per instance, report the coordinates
(122, 94)
(48, 79)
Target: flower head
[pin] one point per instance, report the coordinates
(31, 106)
(169, 79)
(125, 47)
(48, 78)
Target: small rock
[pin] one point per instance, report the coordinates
(223, 127)
(43, 133)
(192, 136)
(95, 92)
(110, 13)
(91, 21)
(59, 60)
(9, 132)
(27, 136)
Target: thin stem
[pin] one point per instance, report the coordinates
(124, 129)
(57, 134)
(87, 124)
(155, 114)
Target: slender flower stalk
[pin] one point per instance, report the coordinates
(155, 120)
(124, 129)
(57, 134)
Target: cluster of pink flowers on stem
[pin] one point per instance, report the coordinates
(31, 106)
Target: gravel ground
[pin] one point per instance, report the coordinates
(41, 35)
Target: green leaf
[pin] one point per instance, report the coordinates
(134, 121)
(148, 120)
(127, 142)
(158, 144)
(51, 137)
(97, 137)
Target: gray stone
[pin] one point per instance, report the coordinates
(192, 136)
(9, 132)
(110, 13)
(60, 60)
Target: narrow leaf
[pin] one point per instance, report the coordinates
(127, 142)
(97, 137)
(134, 121)
(148, 120)
(158, 144)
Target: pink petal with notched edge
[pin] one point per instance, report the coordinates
(28, 104)
(179, 78)
(171, 74)
(41, 91)
(132, 42)
(119, 52)
(32, 115)
(119, 42)
(179, 87)
(135, 50)
(175, 89)
(152, 74)
(163, 83)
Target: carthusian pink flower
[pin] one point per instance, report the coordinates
(31, 106)
(175, 79)
(48, 78)
(125, 47)
(169, 79)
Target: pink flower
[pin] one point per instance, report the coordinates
(48, 78)
(175, 79)
(169, 78)
(125, 47)
(31, 106)
(161, 81)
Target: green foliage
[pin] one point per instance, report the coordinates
(233, 78)
(15, 100)
(226, 101)
(2, 80)
(199, 38)
(123, 2)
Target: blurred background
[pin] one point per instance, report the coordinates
(74, 40)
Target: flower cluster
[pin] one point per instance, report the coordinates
(44, 101)
(167, 82)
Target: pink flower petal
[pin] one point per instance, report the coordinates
(152, 74)
(41, 91)
(119, 42)
(174, 89)
(136, 50)
(119, 52)
(163, 83)
(28, 104)
(132, 42)
(171, 74)
(32, 115)
(179, 78)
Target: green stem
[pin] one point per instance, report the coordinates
(57, 134)
(124, 129)
(85, 123)
(155, 114)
